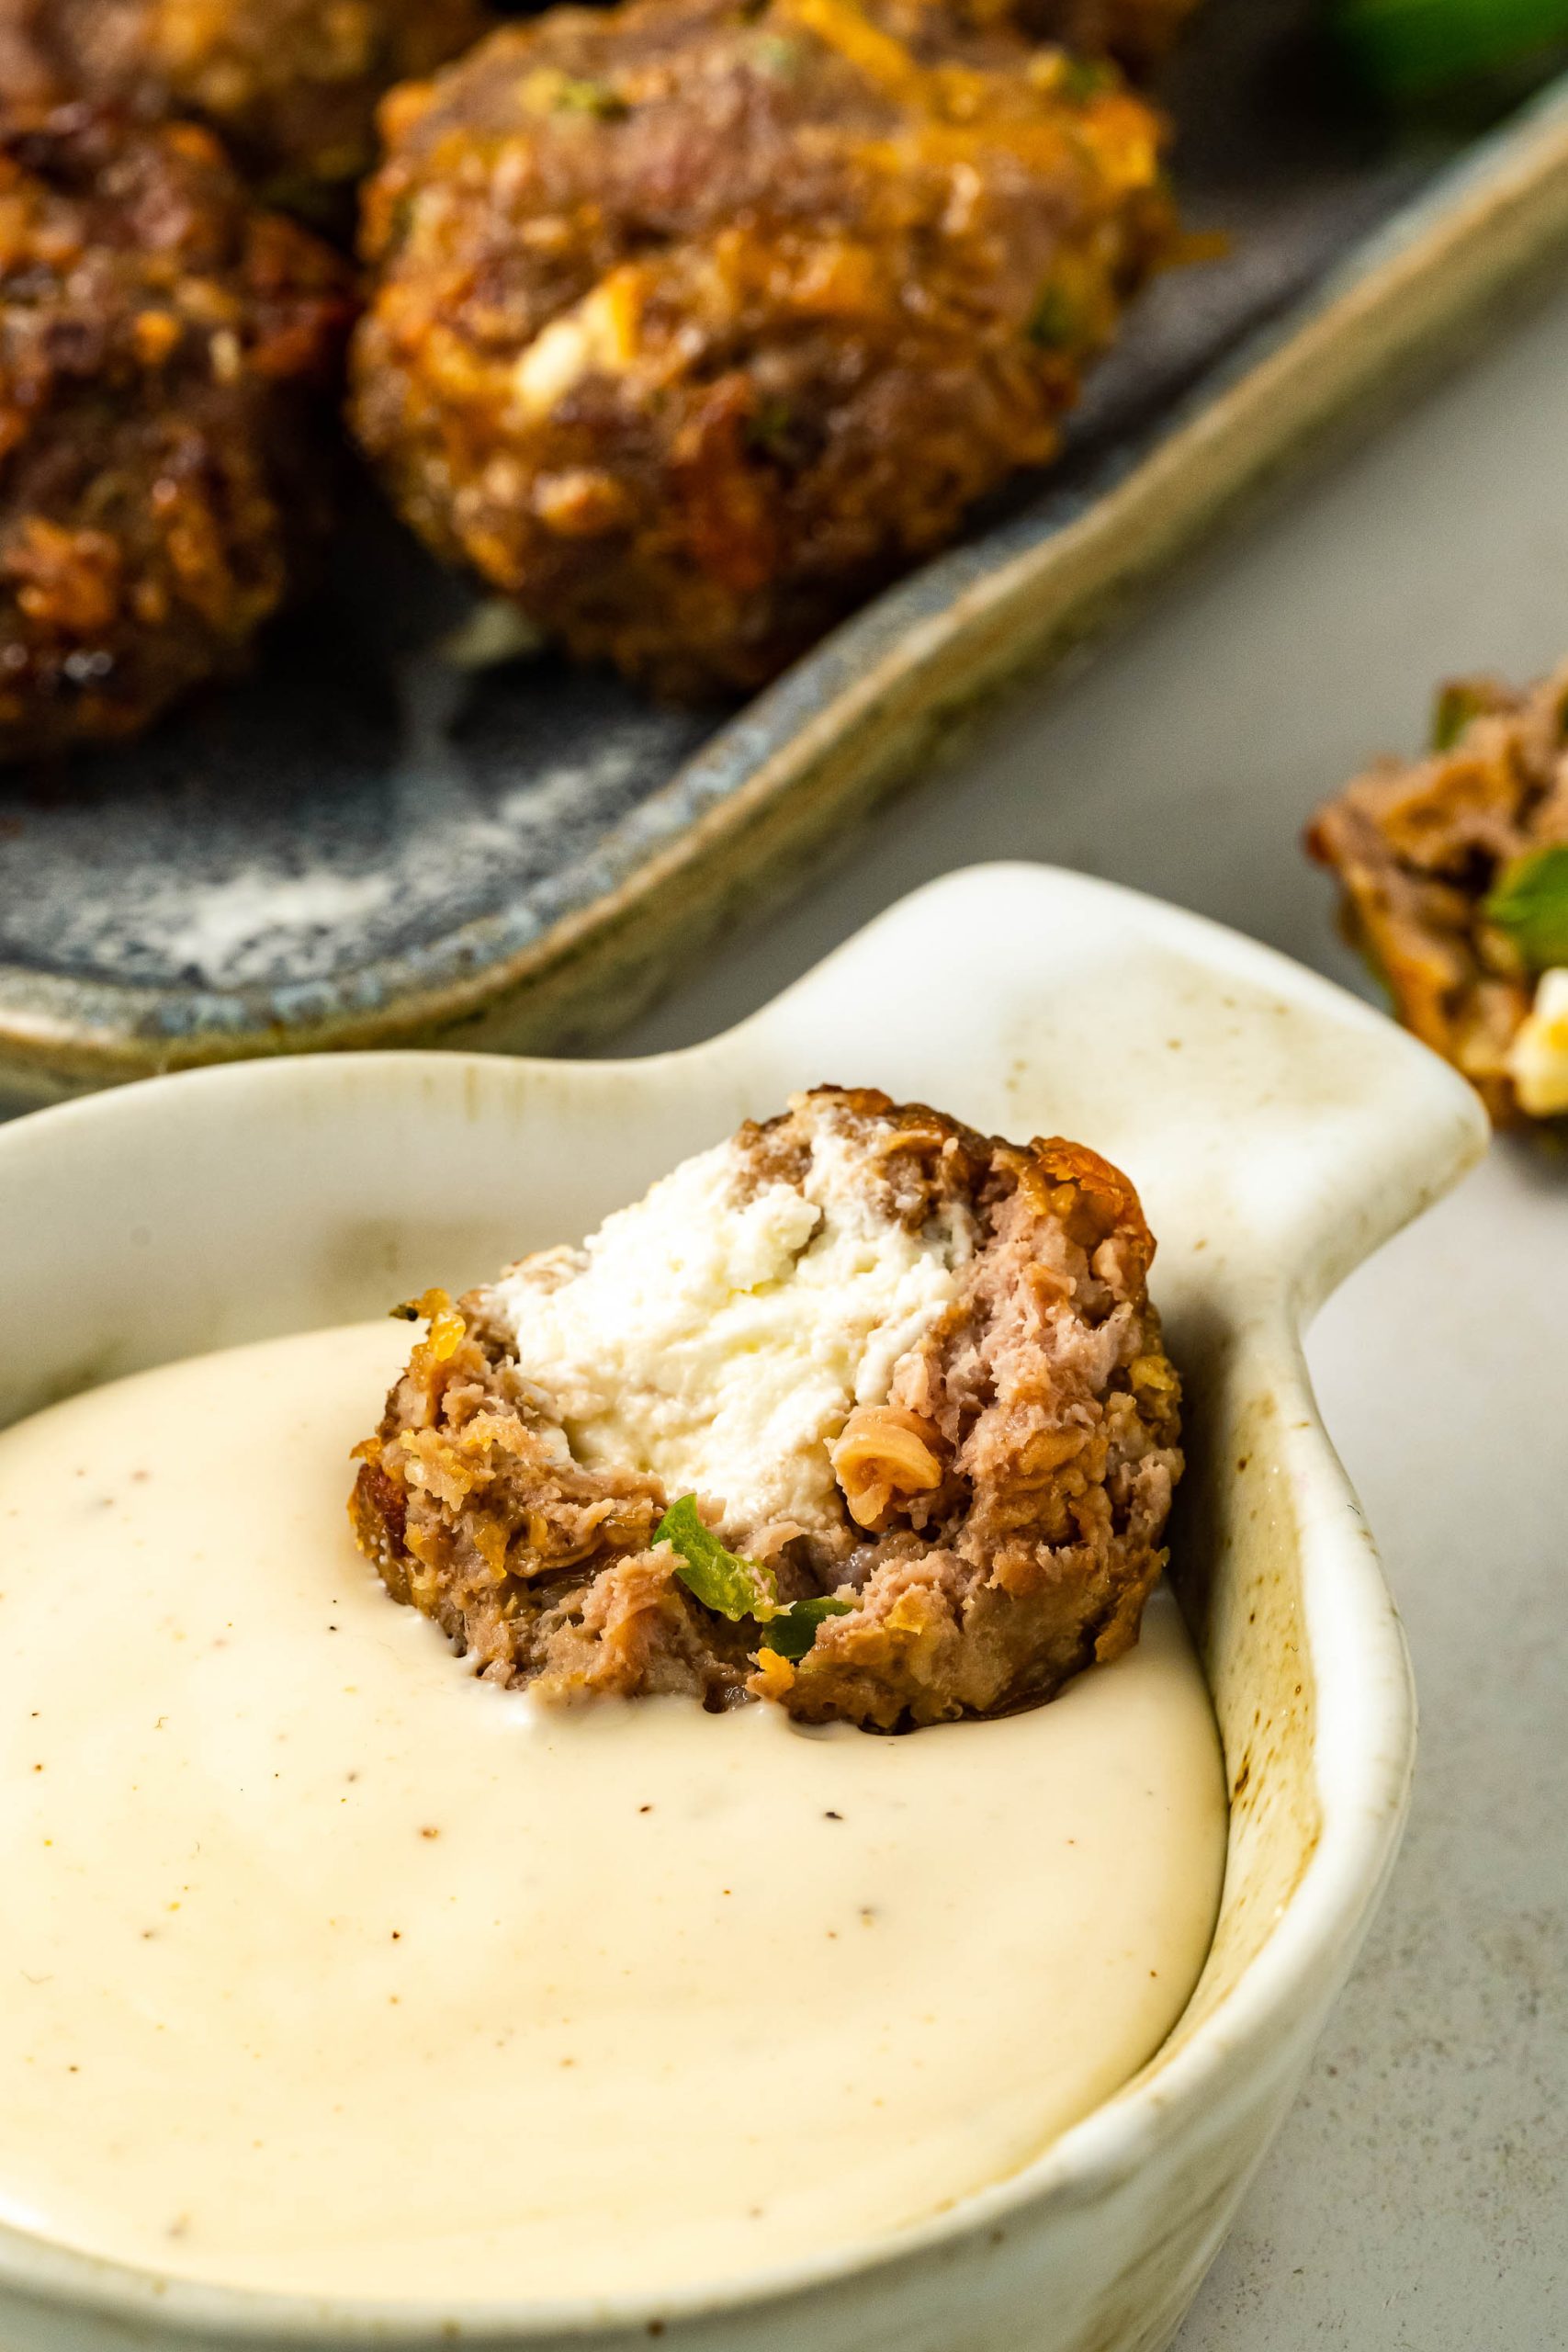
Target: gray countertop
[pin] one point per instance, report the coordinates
(1418, 2199)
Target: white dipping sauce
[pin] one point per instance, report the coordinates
(329, 1968)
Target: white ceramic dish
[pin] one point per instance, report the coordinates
(1278, 1130)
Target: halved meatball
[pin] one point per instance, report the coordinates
(167, 358)
(902, 1385)
(693, 322)
(291, 85)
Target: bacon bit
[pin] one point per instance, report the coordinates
(446, 1335)
(447, 1328)
(883, 1453)
(1047, 1451)
(491, 1538)
(910, 1614)
(773, 1676)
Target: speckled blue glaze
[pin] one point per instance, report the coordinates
(362, 824)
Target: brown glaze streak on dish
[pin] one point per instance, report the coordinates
(998, 1521)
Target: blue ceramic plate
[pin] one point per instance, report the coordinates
(369, 843)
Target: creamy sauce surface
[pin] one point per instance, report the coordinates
(328, 1968)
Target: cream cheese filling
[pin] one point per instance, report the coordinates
(721, 1338)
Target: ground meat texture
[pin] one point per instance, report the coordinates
(291, 85)
(694, 321)
(998, 1518)
(1418, 848)
(168, 359)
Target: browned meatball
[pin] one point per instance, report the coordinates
(291, 85)
(163, 348)
(958, 1491)
(696, 321)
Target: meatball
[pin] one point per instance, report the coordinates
(693, 322)
(1454, 870)
(861, 1412)
(291, 85)
(163, 348)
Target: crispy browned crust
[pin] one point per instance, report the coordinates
(291, 85)
(1044, 1406)
(167, 358)
(1418, 849)
(850, 259)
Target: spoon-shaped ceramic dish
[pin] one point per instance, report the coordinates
(1279, 1131)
